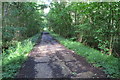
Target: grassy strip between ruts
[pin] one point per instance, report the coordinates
(109, 63)
(13, 58)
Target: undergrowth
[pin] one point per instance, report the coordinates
(13, 57)
(109, 63)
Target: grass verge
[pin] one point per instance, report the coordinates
(110, 64)
(13, 57)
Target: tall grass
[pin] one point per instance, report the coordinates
(13, 57)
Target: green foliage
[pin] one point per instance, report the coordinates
(110, 64)
(95, 24)
(60, 17)
(13, 57)
(12, 33)
(20, 21)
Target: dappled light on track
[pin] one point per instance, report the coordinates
(49, 59)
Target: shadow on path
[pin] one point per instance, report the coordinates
(49, 59)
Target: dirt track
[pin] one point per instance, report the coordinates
(49, 59)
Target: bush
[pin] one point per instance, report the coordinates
(16, 55)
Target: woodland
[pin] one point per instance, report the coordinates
(91, 29)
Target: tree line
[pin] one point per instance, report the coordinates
(96, 24)
(20, 21)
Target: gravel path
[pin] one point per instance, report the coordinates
(49, 59)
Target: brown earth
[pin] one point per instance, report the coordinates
(49, 59)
